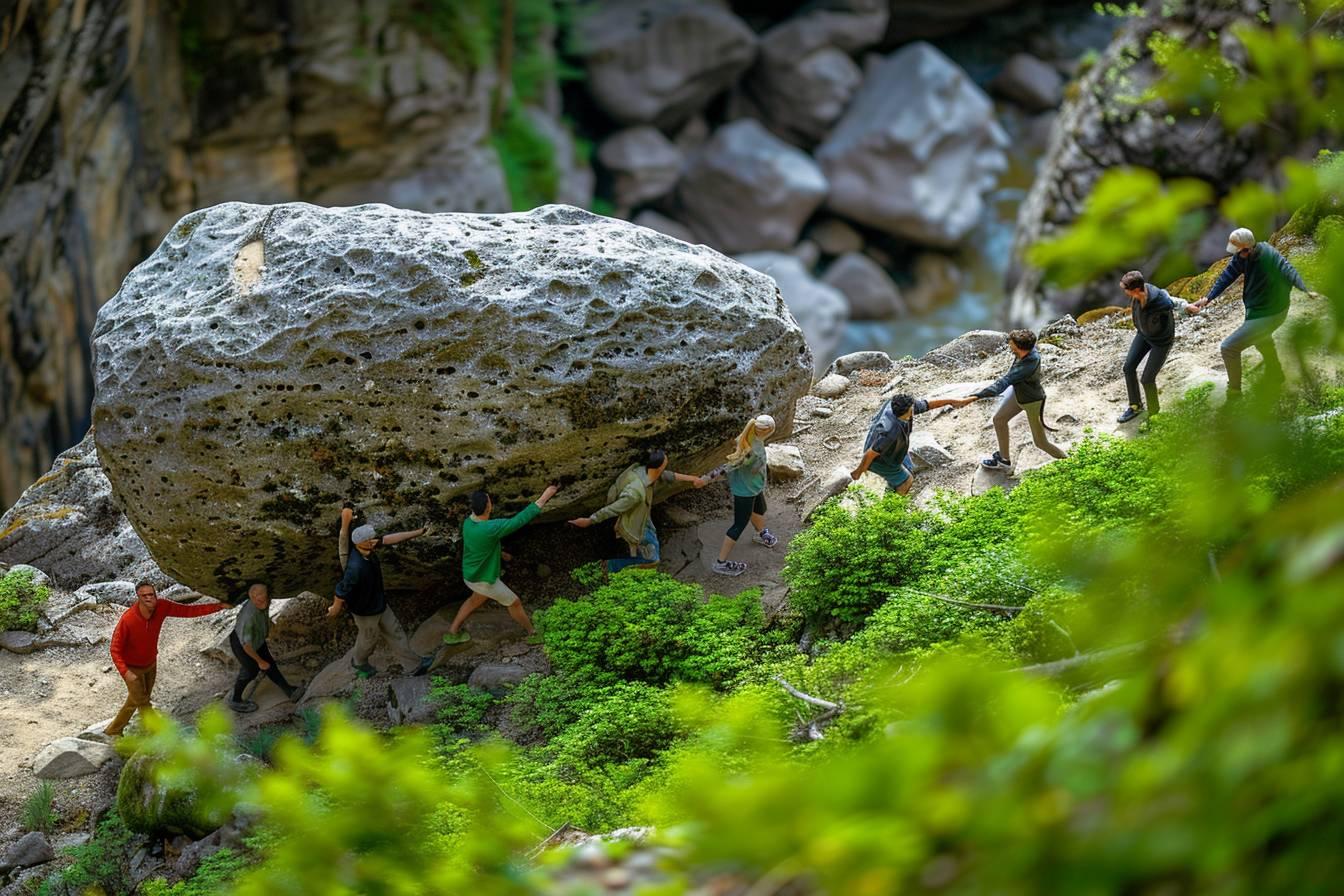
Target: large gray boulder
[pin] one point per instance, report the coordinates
(747, 190)
(68, 525)
(871, 292)
(820, 309)
(266, 362)
(916, 150)
(31, 849)
(71, 757)
(643, 163)
(1029, 82)
(660, 61)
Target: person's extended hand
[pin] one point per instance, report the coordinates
(263, 665)
(129, 676)
(581, 522)
(1193, 308)
(700, 482)
(347, 514)
(969, 399)
(333, 611)
(855, 474)
(505, 555)
(425, 529)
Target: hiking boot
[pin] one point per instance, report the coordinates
(452, 638)
(766, 537)
(996, 461)
(364, 671)
(1131, 412)
(425, 663)
(729, 567)
(242, 706)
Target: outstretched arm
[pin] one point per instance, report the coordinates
(343, 544)
(187, 611)
(398, 537)
(868, 458)
(1234, 269)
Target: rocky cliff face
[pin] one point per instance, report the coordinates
(121, 117)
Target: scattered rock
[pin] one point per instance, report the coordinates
(916, 150)
(833, 385)
(660, 61)
(747, 190)
(820, 310)
(871, 292)
(968, 347)
(807, 253)
(27, 642)
(926, 452)
(69, 524)
(784, 462)
(835, 237)
(856, 361)
(31, 849)
(645, 165)
(1029, 82)
(1065, 326)
(71, 757)
(119, 593)
(822, 411)
(376, 315)
(497, 678)
(798, 96)
(408, 701)
(837, 480)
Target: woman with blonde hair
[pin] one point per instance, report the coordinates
(746, 479)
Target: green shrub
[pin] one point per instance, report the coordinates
(542, 706)
(644, 625)
(627, 721)
(1044, 630)
(214, 877)
(848, 561)
(460, 709)
(102, 864)
(21, 600)
(38, 813)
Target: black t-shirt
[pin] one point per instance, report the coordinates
(889, 435)
(362, 585)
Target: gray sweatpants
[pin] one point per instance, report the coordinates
(1008, 409)
(1258, 332)
(383, 627)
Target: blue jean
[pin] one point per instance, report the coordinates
(895, 475)
(649, 551)
(1258, 332)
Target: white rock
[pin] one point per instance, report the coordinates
(926, 452)
(819, 309)
(832, 385)
(784, 462)
(71, 757)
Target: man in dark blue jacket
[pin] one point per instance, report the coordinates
(1265, 292)
(1021, 390)
(1154, 313)
(886, 450)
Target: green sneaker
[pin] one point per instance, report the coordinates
(365, 671)
(456, 638)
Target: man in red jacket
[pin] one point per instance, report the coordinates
(135, 646)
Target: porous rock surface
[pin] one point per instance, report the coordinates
(268, 361)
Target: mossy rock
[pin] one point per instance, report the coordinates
(150, 806)
(1096, 314)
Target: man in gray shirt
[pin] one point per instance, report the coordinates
(248, 642)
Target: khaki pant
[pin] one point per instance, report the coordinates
(1010, 408)
(137, 697)
(383, 627)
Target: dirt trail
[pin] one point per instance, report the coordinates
(61, 691)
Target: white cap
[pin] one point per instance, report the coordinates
(765, 421)
(1239, 239)
(363, 533)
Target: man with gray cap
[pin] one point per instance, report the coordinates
(1265, 291)
(361, 591)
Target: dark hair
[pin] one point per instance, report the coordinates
(901, 403)
(1022, 338)
(143, 584)
(1132, 280)
(656, 458)
(480, 499)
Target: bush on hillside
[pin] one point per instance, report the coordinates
(21, 600)
(646, 626)
(628, 721)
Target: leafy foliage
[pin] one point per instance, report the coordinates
(21, 600)
(214, 877)
(646, 626)
(528, 159)
(101, 864)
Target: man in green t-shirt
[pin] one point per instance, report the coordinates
(248, 642)
(481, 557)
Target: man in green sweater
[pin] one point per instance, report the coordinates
(481, 557)
(1265, 292)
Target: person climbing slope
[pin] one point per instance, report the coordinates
(1153, 311)
(886, 450)
(1022, 391)
(746, 472)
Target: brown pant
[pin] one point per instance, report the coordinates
(385, 627)
(137, 697)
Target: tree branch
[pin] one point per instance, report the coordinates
(1005, 610)
(807, 698)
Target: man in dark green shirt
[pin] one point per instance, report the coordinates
(248, 643)
(481, 558)
(1265, 291)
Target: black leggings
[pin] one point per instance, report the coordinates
(1157, 356)
(743, 508)
(250, 667)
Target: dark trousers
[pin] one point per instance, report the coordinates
(1157, 356)
(250, 668)
(743, 508)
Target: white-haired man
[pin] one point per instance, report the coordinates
(1269, 280)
